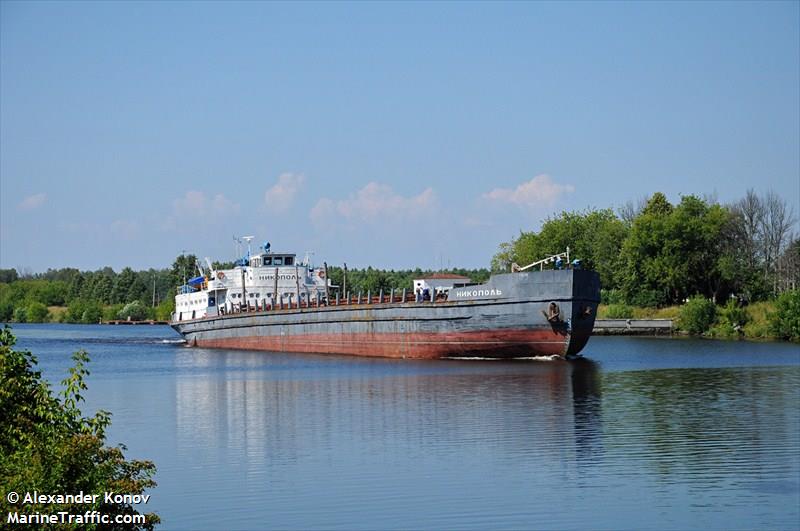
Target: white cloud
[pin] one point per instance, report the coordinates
(196, 205)
(539, 190)
(32, 201)
(222, 205)
(323, 210)
(192, 202)
(194, 208)
(279, 197)
(373, 202)
(124, 229)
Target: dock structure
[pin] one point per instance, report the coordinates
(127, 322)
(644, 327)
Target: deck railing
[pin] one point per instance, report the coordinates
(349, 299)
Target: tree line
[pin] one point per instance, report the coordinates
(655, 253)
(88, 296)
(649, 254)
(104, 295)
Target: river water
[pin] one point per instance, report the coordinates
(645, 434)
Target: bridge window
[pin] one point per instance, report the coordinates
(289, 260)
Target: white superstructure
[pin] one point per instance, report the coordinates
(265, 280)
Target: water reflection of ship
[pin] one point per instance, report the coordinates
(587, 409)
(282, 408)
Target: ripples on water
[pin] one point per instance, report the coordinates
(649, 434)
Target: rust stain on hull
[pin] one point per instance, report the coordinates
(505, 344)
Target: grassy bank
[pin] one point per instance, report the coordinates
(613, 311)
(769, 320)
(79, 312)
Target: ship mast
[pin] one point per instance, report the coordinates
(246, 261)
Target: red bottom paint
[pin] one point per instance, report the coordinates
(498, 344)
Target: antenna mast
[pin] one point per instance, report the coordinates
(183, 262)
(248, 239)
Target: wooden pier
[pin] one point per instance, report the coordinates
(643, 327)
(126, 322)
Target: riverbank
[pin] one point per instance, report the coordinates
(757, 321)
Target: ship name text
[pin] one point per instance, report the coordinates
(479, 293)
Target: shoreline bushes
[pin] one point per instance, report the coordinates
(697, 315)
(47, 445)
(785, 321)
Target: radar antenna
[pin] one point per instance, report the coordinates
(248, 239)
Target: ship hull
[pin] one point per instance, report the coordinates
(508, 317)
(493, 343)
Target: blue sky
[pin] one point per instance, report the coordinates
(388, 134)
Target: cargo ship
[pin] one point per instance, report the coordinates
(268, 301)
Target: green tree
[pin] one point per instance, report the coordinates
(48, 292)
(135, 311)
(92, 313)
(46, 444)
(75, 311)
(734, 315)
(676, 251)
(644, 267)
(183, 268)
(110, 312)
(75, 286)
(21, 314)
(658, 206)
(6, 311)
(122, 286)
(785, 321)
(138, 291)
(37, 312)
(731, 321)
(222, 265)
(8, 275)
(697, 315)
(103, 286)
(374, 280)
(164, 309)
